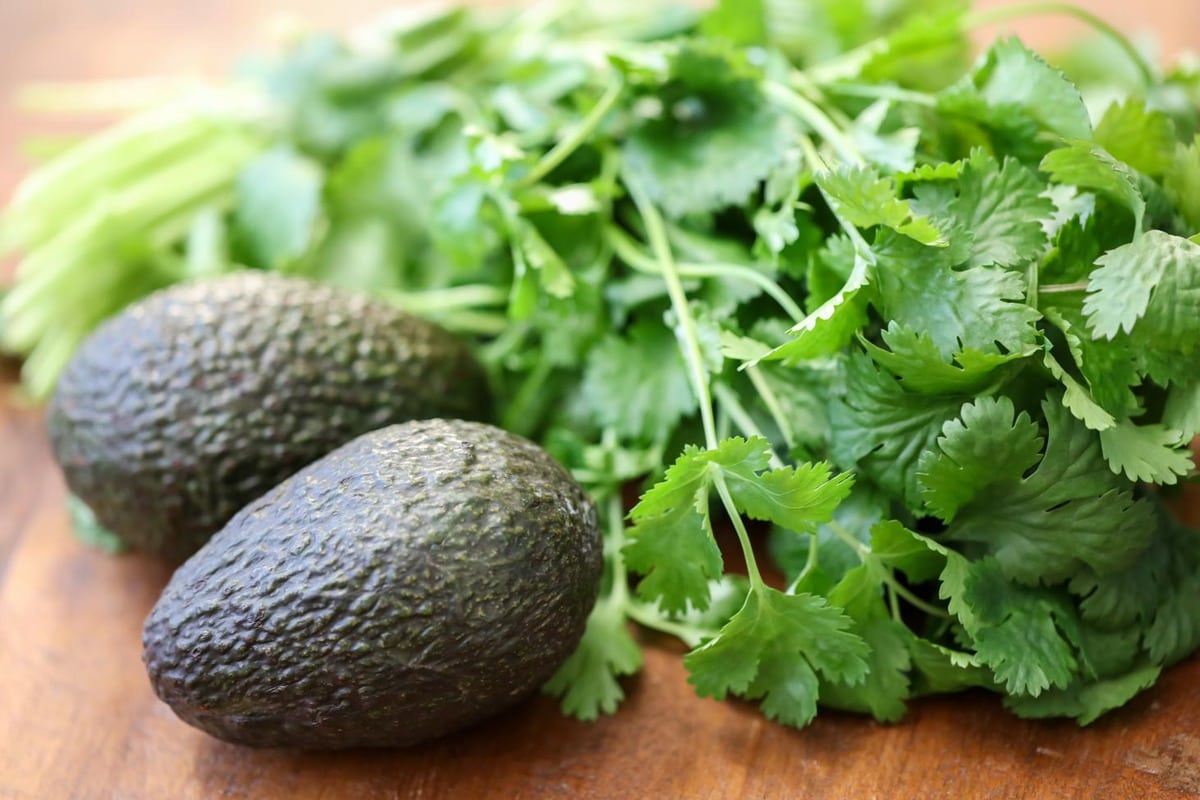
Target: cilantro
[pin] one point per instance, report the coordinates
(772, 650)
(706, 137)
(1153, 284)
(1087, 165)
(864, 199)
(978, 307)
(1140, 137)
(884, 429)
(587, 680)
(1086, 701)
(278, 206)
(637, 383)
(1069, 512)
(1003, 208)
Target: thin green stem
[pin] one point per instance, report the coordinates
(882, 92)
(756, 580)
(448, 299)
(690, 635)
(628, 252)
(1063, 288)
(810, 563)
(737, 412)
(575, 139)
(771, 401)
(816, 119)
(656, 232)
(1021, 10)
(613, 542)
(862, 551)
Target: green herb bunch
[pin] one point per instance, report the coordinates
(798, 268)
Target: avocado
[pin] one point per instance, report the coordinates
(409, 584)
(186, 406)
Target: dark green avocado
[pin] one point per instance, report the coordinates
(193, 402)
(413, 582)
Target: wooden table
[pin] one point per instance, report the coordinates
(78, 719)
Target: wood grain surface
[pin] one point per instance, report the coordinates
(78, 719)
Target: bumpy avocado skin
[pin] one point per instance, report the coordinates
(411, 583)
(195, 401)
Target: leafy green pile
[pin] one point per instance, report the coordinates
(931, 325)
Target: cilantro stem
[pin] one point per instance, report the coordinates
(451, 298)
(656, 232)
(613, 543)
(1063, 288)
(575, 139)
(737, 412)
(628, 252)
(811, 115)
(884, 92)
(810, 563)
(648, 617)
(756, 580)
(863, 552)
(771, 401)
(1006, 13)
(522, 413)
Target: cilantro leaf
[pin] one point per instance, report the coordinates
(832, 324)
(1182, 408)
(1150, 453)
(587, 681)
(981, 308)
(1015, 93)
(897, 547)
(1175, 630)
(707, 136)
(915, 359)
(1071, 511)
(1002, 206)
(773, 649)
(794, 498)
(1022, 634)
(277, 207)
(1011, 75)
(861, 197)
(1152, 283)
(883, 429)
(671, 540)
(885, 687)
(1085, 164)
(1084, 700)
(1182, 182)
(637, 384)
(985, 445)
(1142, 138)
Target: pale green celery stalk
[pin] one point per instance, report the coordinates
(123, 154)
(58, 343)
(133, 209)
(105, 96)
(158, 209)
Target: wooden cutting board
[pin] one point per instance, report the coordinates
(78, 718)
